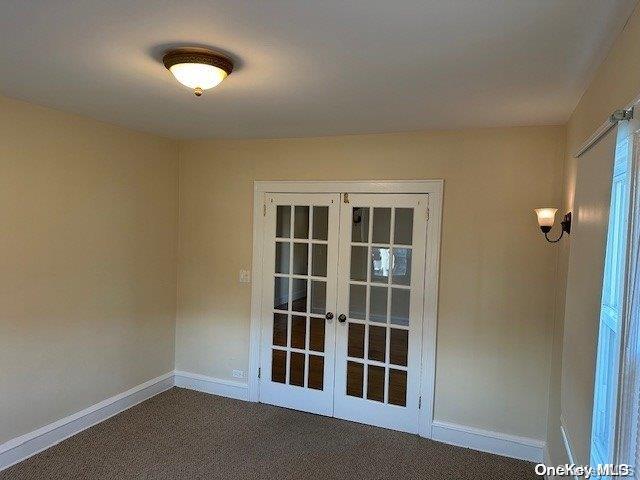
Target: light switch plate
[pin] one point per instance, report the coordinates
(244, 276)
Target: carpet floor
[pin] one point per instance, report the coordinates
(182, 434)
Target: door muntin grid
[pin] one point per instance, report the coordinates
(382, 359)
(378, 303)
(300, 296)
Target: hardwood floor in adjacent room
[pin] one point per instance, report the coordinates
(182, 434)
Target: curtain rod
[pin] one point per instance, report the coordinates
(612, 121)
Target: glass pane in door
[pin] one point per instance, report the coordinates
(300, 296)
(403, 226)
(316, 372)
(380, 280)
(360, 225)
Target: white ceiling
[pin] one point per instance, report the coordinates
(310, 67)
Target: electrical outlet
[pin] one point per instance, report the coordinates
(238, 374)
(244, 276)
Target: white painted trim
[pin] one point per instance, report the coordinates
(350, 186)
(522, 448)
(430, 310)
(20, 448)
(24, 446)
(626, 447)
(602, 129)
(546, 459)
(435, 190)
(256, 294)
(215, 386)
(595, 137)
(568, 445)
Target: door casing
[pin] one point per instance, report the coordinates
(434, 188)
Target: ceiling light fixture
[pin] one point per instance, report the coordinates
(197, 68)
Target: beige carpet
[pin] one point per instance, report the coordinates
(181, 434)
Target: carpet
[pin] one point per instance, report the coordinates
(182, 434)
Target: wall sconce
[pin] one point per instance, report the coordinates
(546, 219)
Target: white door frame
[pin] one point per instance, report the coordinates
(434, 188)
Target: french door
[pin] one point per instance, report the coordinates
(380, 297)
(342, 305)
(300, 255)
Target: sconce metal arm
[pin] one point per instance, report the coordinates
(566, 227)
(546, 235)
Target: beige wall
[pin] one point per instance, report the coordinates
(87, 263)
(497, 272)
(616, 82)
(93, 212)
(88, 290)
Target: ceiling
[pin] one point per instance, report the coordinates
(309, 68)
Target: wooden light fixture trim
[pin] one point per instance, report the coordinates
(197, 55)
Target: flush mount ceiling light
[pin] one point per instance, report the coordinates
(197, 68)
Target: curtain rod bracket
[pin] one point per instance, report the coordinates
(620, 115)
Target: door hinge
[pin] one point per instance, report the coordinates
(264, 209)
(419, 402)
(427, 214)
(346, 197)
(259, 370)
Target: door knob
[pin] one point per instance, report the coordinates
(329, 316)
(342, 318)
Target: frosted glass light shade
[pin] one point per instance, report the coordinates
(198, 75)
(198, 68)
(546, 216)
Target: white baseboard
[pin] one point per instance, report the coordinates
(522, 448)
(548, 462)
(216, 386)
(21, 448)
(24, 446)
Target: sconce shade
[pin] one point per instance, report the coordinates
(546, 217)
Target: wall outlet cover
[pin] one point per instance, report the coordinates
(238, 374)
(244, 276)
